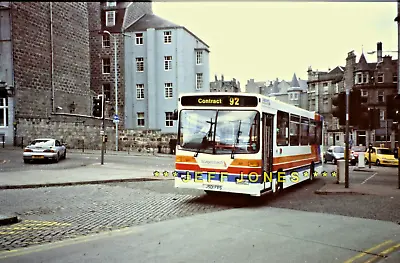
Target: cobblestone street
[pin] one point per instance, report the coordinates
(51, 214)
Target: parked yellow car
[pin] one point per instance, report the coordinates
(381, 156)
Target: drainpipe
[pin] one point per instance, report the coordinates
(52, 58)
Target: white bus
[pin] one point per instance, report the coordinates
(245, 143)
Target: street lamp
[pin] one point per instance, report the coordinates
(116, 86)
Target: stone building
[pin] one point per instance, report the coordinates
(255, 86)
(113, 17)
(51, 62)
(376, 80)
(222, 85)
(45, 58)
(293, 92)
(322, 86)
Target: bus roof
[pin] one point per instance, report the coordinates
(274, 103)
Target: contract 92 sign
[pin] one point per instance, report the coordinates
(220, 101)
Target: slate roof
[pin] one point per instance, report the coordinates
(153, 21)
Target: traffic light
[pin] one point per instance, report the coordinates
(393, 107)
(339, 107)
(98, 106)
(358, 110)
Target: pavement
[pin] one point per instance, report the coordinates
(235, 235)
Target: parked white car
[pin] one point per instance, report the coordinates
(45, 149)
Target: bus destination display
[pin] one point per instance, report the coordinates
(221, 101)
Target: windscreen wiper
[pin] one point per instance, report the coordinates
(239, 132)
(205, 140)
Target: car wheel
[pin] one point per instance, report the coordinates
(58, 158)
(26, 161)
(366, 161)
(378, 162)
(65, 155)
(334, 161)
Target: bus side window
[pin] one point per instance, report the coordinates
(282, 134)
(294, 130)
(304, 131)
(318, 133)
(311, 132)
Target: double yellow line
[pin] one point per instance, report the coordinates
(372, 253)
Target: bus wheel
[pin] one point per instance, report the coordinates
(312, 170)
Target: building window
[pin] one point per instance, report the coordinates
(365, 78)
(139, 38)
(110, 18)
(364, 93)
(139, 91)
(380, 77)
(358, 78)
(3, 112)
(169, 120)
(106, 66)
(199, 80)
(199, 57)
(139, 64)
(394, 78)
(111, 3)
(336, 88)
(381, 96)
(140, 119)
(107, 91)
(167, 63)
(382, 115)
(106, 40)
(168, 90)
(167, 37)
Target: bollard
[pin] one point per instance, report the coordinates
(361, 162)
(340, 171)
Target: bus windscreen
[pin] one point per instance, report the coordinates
(220, 101)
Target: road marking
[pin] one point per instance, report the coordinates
(29, 225)
(368, 178)
(72, 241)
(368, 251)
(383, 253)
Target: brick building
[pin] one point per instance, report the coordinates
(113, 17)
(376, 80)
(322, 86)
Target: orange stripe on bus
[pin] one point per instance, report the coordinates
(234, 170)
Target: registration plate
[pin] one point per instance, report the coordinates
(37, 156)
(213, 186)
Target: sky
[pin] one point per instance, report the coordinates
(267, 40)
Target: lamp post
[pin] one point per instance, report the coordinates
(116, 86)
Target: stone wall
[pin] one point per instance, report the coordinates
(84, 132)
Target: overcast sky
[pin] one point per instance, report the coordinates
(267, 40)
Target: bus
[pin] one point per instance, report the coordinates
(245, 143)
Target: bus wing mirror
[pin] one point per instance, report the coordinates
(175, 117)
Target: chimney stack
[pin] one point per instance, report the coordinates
(379, 51)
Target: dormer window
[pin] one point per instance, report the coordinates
(111, 3)
(110, 18)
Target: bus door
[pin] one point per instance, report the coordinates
(267, 148)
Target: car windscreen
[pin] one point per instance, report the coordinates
(338, 150)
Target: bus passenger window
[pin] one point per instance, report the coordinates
(294, 130)
(318, 133)
(311, 133)
(282, 134)
(304, 131)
